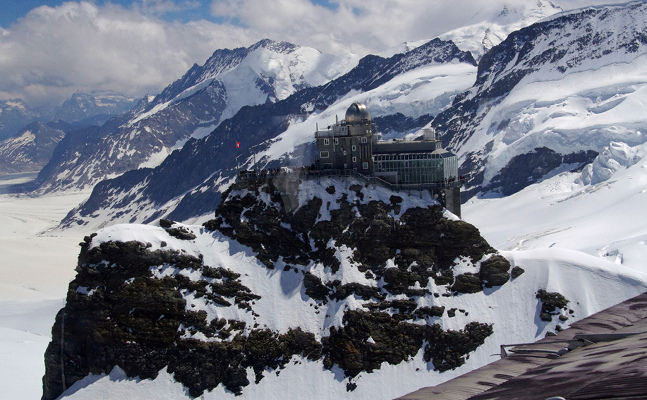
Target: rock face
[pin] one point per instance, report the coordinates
(375, 259)
(30, 149)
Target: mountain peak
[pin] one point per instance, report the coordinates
(278, 47)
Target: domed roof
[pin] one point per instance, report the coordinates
(356, 113)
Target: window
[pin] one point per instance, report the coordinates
(364, 165)
(354, 159)
(364, 140)
(323, 154)
(354, 147)
(336, 141)
(326, 142)
(345, 165)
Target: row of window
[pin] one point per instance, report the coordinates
(327, 141)
(410, 156)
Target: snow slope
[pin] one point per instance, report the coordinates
(604, 219)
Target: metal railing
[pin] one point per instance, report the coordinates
(308, 173)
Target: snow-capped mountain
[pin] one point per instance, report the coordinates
(309, 288)
(549, 98)
(402, 92)
(191, 108)
(31, 148)
(552, 96)
(487, 31)
(92, 109)
(14, 115)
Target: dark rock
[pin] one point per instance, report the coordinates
(166, 223)
(495, 271)
(467, 283)
(551, 303)
(516, 272)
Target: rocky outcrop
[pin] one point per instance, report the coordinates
(133, 304)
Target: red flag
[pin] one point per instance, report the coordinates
(238, 145)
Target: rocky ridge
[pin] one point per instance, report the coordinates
(371, 267)
(191, 107)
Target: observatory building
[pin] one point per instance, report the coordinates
(354, 146)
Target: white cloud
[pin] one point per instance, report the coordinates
(362, 26)
(54, 51)
(161, 7)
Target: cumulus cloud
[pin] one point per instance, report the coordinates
(82, 46)
(362, 26)
(161, 7)
(52, 52)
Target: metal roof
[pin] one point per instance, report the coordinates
(606, 370)
(357, 113)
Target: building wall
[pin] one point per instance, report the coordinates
(345, 152)
(414, 168)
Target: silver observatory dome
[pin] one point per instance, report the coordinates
(357, 113)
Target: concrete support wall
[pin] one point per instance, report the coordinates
(453, 200)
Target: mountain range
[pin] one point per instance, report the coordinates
(545, 110)
(81, 109)
(533, 106)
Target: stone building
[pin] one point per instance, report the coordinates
(353, 145)
(348, 144)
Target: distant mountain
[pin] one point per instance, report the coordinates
(31, 148)
(15, 115)
(488, 30)
(551, 97)
(191, 108)
(547, 99)
(92, 109)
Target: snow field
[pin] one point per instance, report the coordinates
(36, 267)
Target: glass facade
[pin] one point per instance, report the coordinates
(413, 168)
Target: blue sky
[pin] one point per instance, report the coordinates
(11, 10)
(50, 49)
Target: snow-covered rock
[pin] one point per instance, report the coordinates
(319, 289)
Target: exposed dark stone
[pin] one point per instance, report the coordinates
(449, 349)
(433, 311)
(551, 303)
(166, 223)
(516, 272)
(495, 271)
(181, 233)
(467, 283)
(314, 287)
(123, 315)
(396, 341)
